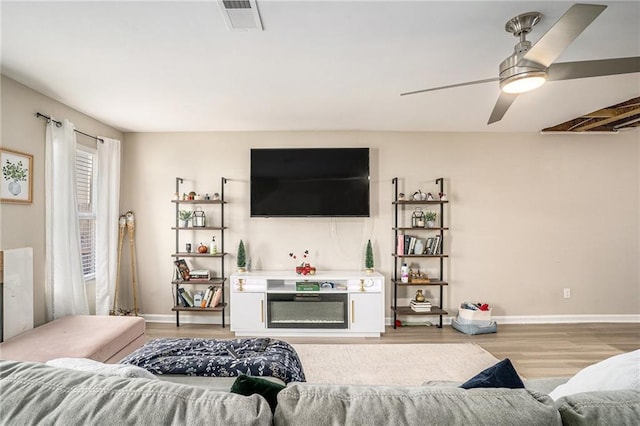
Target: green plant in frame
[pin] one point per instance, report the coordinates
(14, 171)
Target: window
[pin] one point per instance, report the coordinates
(86, 193)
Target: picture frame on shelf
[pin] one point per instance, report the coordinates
(16, 184)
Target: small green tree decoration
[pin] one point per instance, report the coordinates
(242, 258)
(368, 259)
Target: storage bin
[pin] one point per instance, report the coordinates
(470, 314)
(492, 327)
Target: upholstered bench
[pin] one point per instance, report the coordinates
(101, 338)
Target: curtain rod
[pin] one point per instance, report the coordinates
(59, 123)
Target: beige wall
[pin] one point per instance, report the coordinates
(529, 214)
(24, 225)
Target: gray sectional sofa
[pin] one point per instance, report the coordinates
(34, 393)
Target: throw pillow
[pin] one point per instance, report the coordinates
(86, 364)
(247, 385)
(500, 375)
(619, 372)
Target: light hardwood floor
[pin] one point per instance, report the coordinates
(536, 350)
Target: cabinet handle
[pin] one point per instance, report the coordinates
(262, 311)
(353, 311)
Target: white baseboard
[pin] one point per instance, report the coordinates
(543, 319)
(567, 319)
(507, 319)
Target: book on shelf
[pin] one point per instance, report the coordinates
(209, 298)
(435, 248)
(412, 245)
(186, 296)
(400, 248)
(407, 241)
(200, 274)
(217, 297)
(420, 306)
(428, 246)
(183, 269)
(182, 301)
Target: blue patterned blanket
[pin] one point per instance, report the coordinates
(219, 358)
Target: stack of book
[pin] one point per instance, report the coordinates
(420, 306)
(199, 274)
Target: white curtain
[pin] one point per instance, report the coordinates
(107, 216)
(64, 279)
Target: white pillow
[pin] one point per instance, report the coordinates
(85, 364)
(615, 373)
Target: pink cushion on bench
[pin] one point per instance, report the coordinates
(101, 338)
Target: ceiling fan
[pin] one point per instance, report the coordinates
(530, 66)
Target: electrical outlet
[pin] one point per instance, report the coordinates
(567, 293)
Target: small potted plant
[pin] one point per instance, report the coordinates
(368, 258)
(430, 218)
(241, 261)
(184, 216)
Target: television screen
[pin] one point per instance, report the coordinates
(309, 182)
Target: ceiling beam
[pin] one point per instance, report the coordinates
(606, 121)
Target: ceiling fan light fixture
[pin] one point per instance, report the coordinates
(524, 82)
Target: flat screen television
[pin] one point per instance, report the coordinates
(303, 182)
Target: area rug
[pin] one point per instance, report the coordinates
(392, 364)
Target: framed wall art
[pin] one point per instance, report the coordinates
(16, 184)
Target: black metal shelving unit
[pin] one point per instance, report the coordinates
(217, 281)
(400, 212)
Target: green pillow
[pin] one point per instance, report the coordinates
(248, 385)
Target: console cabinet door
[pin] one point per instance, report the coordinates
(248, 311)
(365, 313)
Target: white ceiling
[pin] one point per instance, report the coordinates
(318, 65)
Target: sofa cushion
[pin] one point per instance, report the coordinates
(308, 404)
(619, 408)
(499, 375)
(34, 393)
(619, 372)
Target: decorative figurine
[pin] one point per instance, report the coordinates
(429, 197)
(401, 196)
(443, 196)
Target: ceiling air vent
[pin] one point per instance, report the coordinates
(241, 15)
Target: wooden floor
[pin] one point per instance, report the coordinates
(536, 350)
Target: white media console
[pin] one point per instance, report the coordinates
(346, 303)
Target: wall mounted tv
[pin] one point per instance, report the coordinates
(304, 182)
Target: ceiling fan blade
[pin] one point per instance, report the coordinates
(450, 86)
(563, 33)
(502, 105)
(596, 68)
